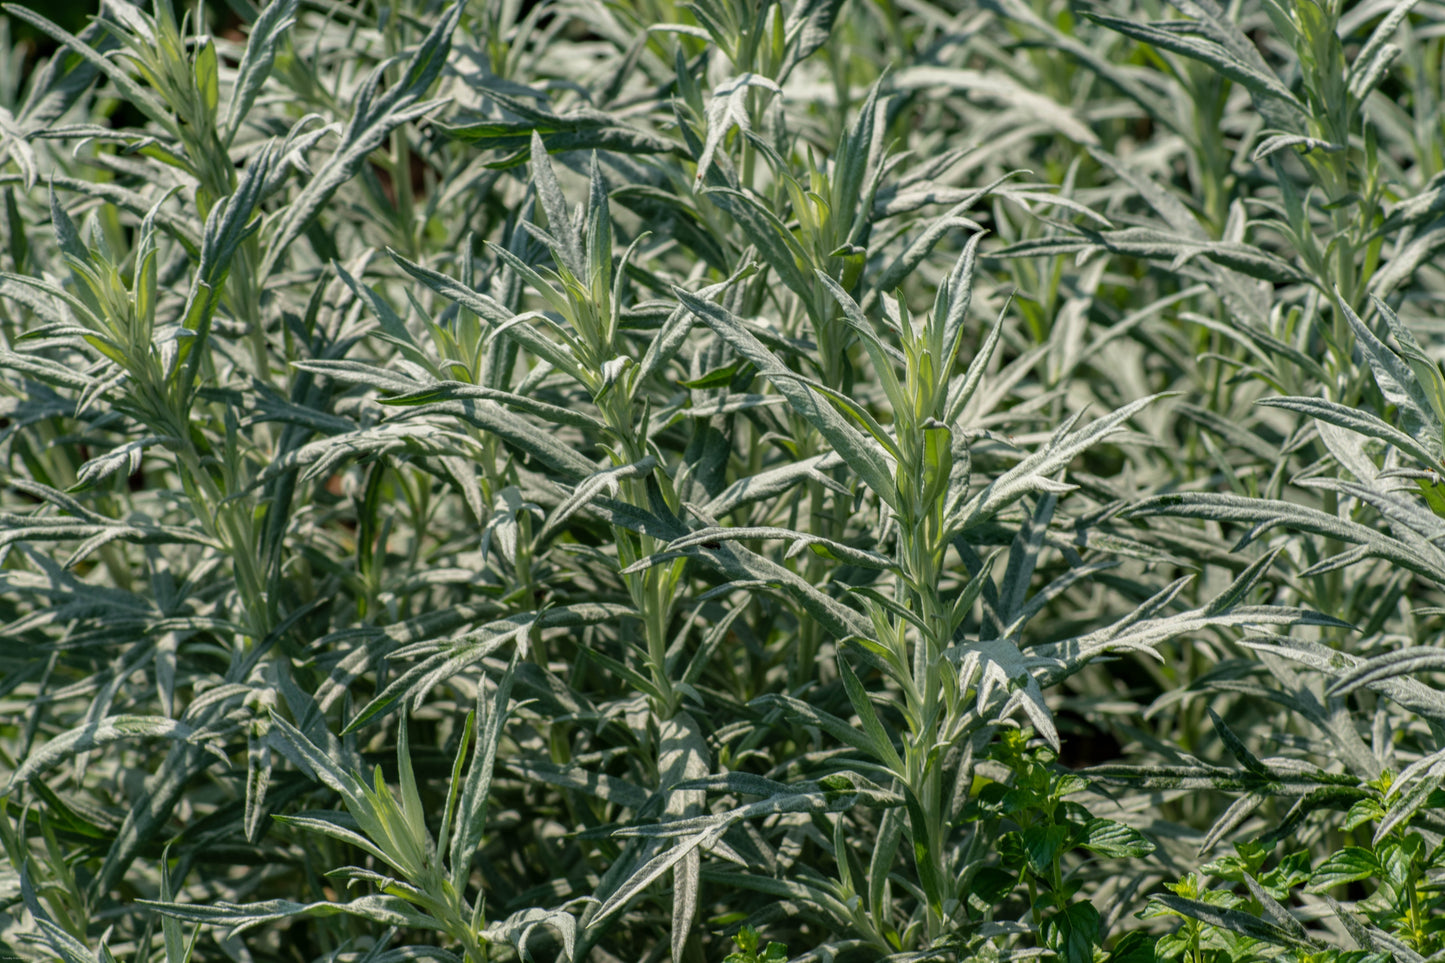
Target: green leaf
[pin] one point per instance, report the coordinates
(1237, 748)
(517, 929)
(1044, 843)
(810, 23)
(1154, 244)
(208, 80)
(338, 826)
(1133, 947)
(1114, 839)
(134, 93)
(608, 479)
(445, 659)
(711, 537)
(1356, 420)
(1428, 379)
(1074, 932)
(582, 128)
(993, 885)
(1377, 53)
(1345, 865)
(718, 377)
(611, 789)
(391, 323)
(1033, 473)
(804, 713)
(513, 326)
(1263, 514)
(998, 86)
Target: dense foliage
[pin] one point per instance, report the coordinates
(830, 480)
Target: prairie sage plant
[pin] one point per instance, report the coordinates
(735, 480)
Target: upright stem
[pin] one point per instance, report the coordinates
(219, 515)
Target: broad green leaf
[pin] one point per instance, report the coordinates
(1344, 866)
(1114, 839)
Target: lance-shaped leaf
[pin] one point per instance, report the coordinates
(517, 929)
(374, 117)
(1233, 921)
(836, 793)
(1408, 663)
(1264, 514)
(879, 739)
(1159, 245)
(321, 764)
(445, 658)
(822, 546)
(238, 918)
(1062, 659)
(809, 25)
(1398, 382)
(141, 98)
(472, 807)
(1354, 419)
(338, 826)
(266, 34)
(1428, 380)
(582, 128)
(104, 732)
(1378, 53)
(504, 321)
(855, 448)
(1034, 472)
(1410, 693)
(997, 85)
(609, 479)
(1410, 793)
(682, 755)
(1221, 46)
